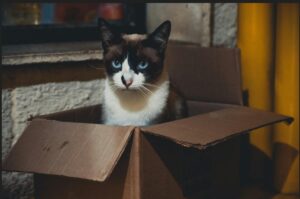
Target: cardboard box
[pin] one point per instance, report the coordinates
(72, 157)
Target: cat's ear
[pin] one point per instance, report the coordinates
(109, 36)
(161, 35)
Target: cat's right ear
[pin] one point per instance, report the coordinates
(109, 36)
(160, 35)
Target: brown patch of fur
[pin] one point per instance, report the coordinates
(149, 53)
(113, 52)
(132, 100)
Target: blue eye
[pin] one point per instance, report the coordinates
(143, 64)
(116, 64)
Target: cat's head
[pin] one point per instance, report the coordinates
(133, 61)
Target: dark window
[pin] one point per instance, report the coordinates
(65, 22)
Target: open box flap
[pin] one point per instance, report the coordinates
(87, 151)
(207, 129)
(205, 74)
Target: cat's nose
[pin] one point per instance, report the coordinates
(126, 82)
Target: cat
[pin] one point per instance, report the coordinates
(137, 88)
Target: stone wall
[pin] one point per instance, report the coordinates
(224, 24)
(20, 103)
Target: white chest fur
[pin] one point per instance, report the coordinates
(115, 114)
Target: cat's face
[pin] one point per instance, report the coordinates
(133, 61)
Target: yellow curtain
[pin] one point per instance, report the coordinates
(268, 36)
(286, 138)
(256, 40)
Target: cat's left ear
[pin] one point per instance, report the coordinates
(161, 35)
(109, 36)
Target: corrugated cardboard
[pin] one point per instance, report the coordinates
(206, 74)
(195, 157)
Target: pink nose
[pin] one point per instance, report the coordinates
(126, 83)
(129, 82)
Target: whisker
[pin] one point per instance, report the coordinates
(147, 89)
(141, 89)
(152, 85)
(113, 86)
(144, 94)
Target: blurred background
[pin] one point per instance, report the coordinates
(37, 22)
(52, 61)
